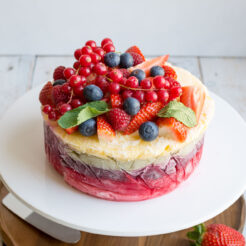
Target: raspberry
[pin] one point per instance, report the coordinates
(58, 73)
(136, 50)
(58, 94)
(119, 119)
(136, 58)
(45, 96)
(125, 72)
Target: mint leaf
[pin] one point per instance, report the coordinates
(180, 112)
(81, 114)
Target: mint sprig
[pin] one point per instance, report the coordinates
(180, 112)
(85, 112)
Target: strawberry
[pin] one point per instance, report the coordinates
(216, 235)
(169, 72)
(45, 95)
(193, 97)
(136, 58)
(125, 72)
(136, 50)
(58, 95)
(71, 129)
(147, 65)
(146, 113)
(104, 129)
(119, 119)
(170, 127)
(116, 101)
(58, 73)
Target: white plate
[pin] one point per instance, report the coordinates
(217, 182)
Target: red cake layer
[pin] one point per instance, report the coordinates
(120, 185)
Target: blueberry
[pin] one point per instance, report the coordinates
(131, 105)
(126, 60)
(112, 59)
(88, 128)
(92, 93)
(148, 131)
(157, 70)
(139, 74)
(59, 82)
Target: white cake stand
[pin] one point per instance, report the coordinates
(217, 182)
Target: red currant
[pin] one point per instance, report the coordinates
(68, 72)
(84, 71)
(52, 115)
(114, 88)
(64, 108)
(99, 51)
(146, 83)
(123, 81)
(167, 84)
(78, 90)
(77, 54)
(132, 82)
(91, 43)
(47, 108)
(174, 93)
(159, 82)
(163, 96)
(116, 75)
(86, 50)
(95, 58)
(126, 94)
(77, 80)
(100, 68)
(109, 48)
(151, 96)
(66, 88)
(76, 65)
(102, 83)
(106, 41)
(139, 95)
(76, 103)
(85, 60)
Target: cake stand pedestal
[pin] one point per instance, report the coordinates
(17, 232)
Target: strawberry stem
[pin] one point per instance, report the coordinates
(196, 235)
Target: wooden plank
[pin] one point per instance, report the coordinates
(15, 77)
(226, 77)
(45, 66)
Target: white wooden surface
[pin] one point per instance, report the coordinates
(225, 76)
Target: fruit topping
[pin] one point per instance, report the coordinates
(100, 69)
(112, 59)
(91, 43)
(105, 132)
(47, 108)
(92, 93)
(88, 128)
(45, 95)
(76, 103)
(59, 95)
(119, 119)
(109, 48)
(116, 101)
(151, 96)
(116, 75)
(163, 96)
(136, 50)
(139, 74)
(68, 72)
(139, 95)
(125, 72)
(77, 54)
(58, 73)
(114, 88)
(132, 82)
(126, 60)
(137, 59)
(102, 83)
(85, 60)
(148, 131)
(169, 72)
(146, 83)
(86, 50)
(131, 105)
(146, 113)
(156, 70)
(159, 82)
(106, 41)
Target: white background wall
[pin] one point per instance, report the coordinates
(178, 27)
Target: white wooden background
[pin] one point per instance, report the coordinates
(225, 76)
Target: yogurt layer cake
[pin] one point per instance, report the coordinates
(122, 127)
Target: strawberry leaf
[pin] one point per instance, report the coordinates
(81, 114)
(180, 112)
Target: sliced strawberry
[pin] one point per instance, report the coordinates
(193, 97)
(170, 72)
(116, 101)
(136, 58)
(146, 113)
(45, 95)
(104, 129)
(147, 65)
(170, 127)
(71, 129)
(135, 49)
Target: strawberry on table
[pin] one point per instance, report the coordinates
(45, 95)
(216, 235)
(104, 129)
(146, 113)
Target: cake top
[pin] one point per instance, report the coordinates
(108, 94)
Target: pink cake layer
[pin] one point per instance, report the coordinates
(120, 185)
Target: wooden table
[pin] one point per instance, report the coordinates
(18, 74)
